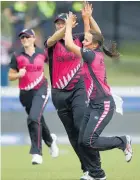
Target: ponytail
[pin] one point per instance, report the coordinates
(111, 50)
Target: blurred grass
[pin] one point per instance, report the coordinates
(126, 72)
(16, 165)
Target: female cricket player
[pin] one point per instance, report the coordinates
(27, 66)
(101, 106)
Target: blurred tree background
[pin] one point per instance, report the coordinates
(119, 21)
(5, 26)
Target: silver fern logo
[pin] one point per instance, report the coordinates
(96, 117)
(87, 103)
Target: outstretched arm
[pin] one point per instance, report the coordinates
(56, 37)
(69, 43)
(86, 13)
(93, 24)
(88, 10)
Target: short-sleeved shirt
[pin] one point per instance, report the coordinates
(34, 66)
(65, 67)
(96, 66)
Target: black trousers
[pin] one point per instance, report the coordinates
(34, 102)
(96, 118)
(70, 106)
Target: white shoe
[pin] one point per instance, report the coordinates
(103, 178)
(54, 151)
(85, 176)
(128, 150)
(37, 159)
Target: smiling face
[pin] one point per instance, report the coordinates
(59, 24)
(88, 41)
(27, 41)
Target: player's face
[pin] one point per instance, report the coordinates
(59, 24)
(87, 40)
(27, 41)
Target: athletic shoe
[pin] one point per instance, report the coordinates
(85, 176)
(100, 178)
(54, 150)
(128, 149)
(36, 159)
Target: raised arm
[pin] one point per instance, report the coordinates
(86, 13)
(93, 24)
(69, 43)
(56, 37)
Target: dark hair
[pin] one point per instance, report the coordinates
(110, 50)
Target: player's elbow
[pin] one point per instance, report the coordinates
(68, 45)
(10, 77)
(49, 43)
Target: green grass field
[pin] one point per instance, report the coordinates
(16, 165)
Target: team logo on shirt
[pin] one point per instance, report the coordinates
(67, 57)
(87, 103)
(86, 50)
(96, 117)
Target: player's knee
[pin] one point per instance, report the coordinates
(89, 141)
(32, 118)
(83, 141)
(77, 121)
(86, 141)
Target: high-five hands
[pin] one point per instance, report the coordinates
(87, 10)
(71, 20)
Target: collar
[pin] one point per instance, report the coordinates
(98, 49)
(22, 50)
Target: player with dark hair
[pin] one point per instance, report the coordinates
(101, 106)
(67, 81)
(27, 66)
(71, 84)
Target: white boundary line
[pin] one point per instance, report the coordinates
(121, 91)
(15, 139)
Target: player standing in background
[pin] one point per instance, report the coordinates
(27, 66)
